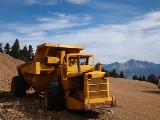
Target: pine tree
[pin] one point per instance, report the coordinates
(24, 54)
(15, 50)
(30, 53)
(135, 77)
(1, 48)
(153, 79)
(103, 70)
(7, 48)
(25, 51)
(114, 74)
(121, 75)
(144, 78)
(140, 78)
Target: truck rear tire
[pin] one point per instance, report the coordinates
(18, 86)
(54, 96)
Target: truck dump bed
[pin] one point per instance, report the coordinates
(46, 56)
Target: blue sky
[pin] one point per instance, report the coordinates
(113, 30)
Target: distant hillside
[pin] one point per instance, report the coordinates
(134, 67)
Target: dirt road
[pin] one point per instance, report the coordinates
(137, 100)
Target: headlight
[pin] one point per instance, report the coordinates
(89, 76)
(105, 76)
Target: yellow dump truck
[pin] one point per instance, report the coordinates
(65, 76)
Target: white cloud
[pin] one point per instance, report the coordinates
(119, 7)
(32, 2)
(45, 2)
(54, 23)
(43, 30)
(78, 2)
(138, 39)
(7, 37)
(29, 2)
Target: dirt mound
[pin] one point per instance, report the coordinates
(136, 100)
(7, 70)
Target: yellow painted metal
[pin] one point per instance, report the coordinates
(52, 60)
(31, 67)
(47, 49)
(61, 46)
(94, 82)
(83, 86)
(72, 69)
(74, 104)
(99, 100)
(99, 66)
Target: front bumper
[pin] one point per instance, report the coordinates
(100, 103)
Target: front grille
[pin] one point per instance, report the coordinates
(101, 94)
(97, 88)
(97, 80)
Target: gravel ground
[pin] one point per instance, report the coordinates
(136, 100)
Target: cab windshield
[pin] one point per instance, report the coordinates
(78, 63)
(83, 60)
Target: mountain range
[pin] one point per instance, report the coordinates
(134, 67)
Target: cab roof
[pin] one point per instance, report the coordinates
(61, 46)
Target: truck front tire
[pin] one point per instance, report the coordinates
(54, 96)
